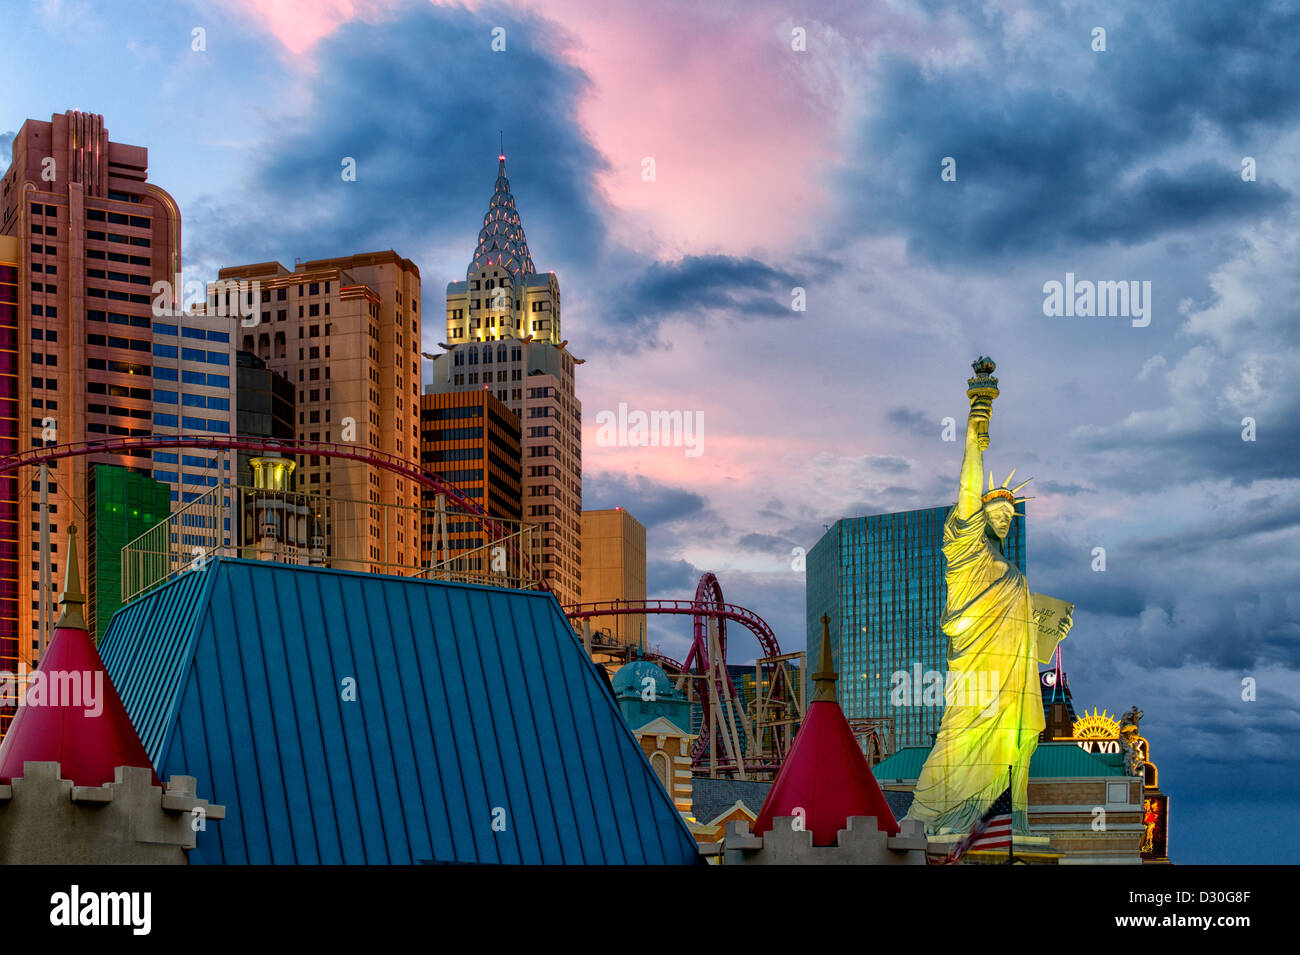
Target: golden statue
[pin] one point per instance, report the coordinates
(984, 744)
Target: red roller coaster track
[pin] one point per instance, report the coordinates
(708, 604)
(380, 459)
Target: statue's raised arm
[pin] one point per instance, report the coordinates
(981, 390)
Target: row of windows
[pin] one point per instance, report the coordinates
(115, 257)
(118, 276)
(192, 354)
(112, 341)
(163, 420)
(116, 318)
(162, 328)
(192, 400)
(114, 237)
(192, 377)
(117, 218)
(515, 352)
(450, 454)
(119, 296)
(203, 480)
(189, 460)
(444, 414)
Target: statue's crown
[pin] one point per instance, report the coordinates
(1005, 493)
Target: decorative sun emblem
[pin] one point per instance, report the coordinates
(1096, 725)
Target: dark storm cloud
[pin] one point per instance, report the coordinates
(1069, 490)
(651, 503)
(417, 100)
(765, 543)
(698, 282)
(912, 421)
(1212, 448)
(671, 579)
(1080, 152)
(1267, 515)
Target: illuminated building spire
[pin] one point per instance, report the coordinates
(501, 242)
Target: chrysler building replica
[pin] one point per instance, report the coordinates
(503, 335)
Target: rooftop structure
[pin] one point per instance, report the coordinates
(369, 718)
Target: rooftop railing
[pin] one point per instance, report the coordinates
(296, 527)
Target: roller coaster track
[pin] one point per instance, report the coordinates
(329, 449)
(708, 604)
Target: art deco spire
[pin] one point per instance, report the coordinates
(501, 242)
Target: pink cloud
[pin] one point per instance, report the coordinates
(720, 102)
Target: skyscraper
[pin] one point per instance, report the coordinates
(94, 236)
(503, 335)
(10, 264)
(345, 332)
(880, 578)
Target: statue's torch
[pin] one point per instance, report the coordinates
(982, 389)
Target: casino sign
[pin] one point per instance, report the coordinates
(1098, 733)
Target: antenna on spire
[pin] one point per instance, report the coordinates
(502, 155)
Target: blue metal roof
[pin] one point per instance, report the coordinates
(471, 702)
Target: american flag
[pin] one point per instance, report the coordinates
(993, 831)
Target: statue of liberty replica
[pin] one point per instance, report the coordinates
(997, 634)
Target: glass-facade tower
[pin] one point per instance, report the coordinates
(880, 578)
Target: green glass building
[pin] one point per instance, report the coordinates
(880, 578)
(121, 504)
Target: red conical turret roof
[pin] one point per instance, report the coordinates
(825, 773)
(72, 714)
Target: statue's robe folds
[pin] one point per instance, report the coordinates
(994, 707)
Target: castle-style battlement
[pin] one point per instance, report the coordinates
(861, 842)
(48, 820)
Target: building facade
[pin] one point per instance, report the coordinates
(10, 266)
(470, 439)
(880, 578)
(503, 336)
(614, 568)
(266, 401)
(345, 332)
(193, 361)
(121, 504)
(94, 236)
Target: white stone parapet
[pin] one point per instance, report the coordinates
(861, 842)
(46, 820)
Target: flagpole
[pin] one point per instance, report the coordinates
(1011, 839)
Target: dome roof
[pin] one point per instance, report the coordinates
(630, 680)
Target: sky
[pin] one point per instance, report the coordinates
(798, 156)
